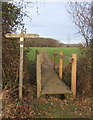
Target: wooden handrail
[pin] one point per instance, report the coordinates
(61, 56)
(68, 58)
(73, 76)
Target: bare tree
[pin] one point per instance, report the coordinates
(81, 16)
(91, 41)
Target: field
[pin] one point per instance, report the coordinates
(66, 51)
(31, 54)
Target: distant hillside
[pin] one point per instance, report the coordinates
(47, 42)
(41, 42)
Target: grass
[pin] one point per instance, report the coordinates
(66, 52)
(31, 54)
(56, 108)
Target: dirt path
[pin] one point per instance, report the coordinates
(46, 60)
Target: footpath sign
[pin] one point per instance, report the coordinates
(21, 36)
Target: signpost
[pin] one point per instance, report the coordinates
(21, 36)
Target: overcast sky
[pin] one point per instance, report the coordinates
(63, 0)
(53, 21)
(54, 0)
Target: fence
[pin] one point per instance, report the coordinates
(73, 75)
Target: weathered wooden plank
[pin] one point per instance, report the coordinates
(14, 35)
(51, 84)
(38, 77)
(73, 77)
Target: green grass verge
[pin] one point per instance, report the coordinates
(31, 54)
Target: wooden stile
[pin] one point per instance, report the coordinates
(38, 69)
(73, 77)
(60, 65)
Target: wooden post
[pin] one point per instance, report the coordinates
(38, 69)
(36, 55)
(54, 60)
(21, 67)
(60, 65)
(21, 36)
(73, 77)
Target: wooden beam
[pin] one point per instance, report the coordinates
(73, 77)
(60, 65)
(14, 35)
(38, 77)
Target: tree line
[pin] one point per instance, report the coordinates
(41, 42)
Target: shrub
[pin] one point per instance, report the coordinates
(83, 74)
(10, 54)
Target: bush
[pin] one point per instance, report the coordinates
(83, 75)
(10, 54)
(11, 57)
